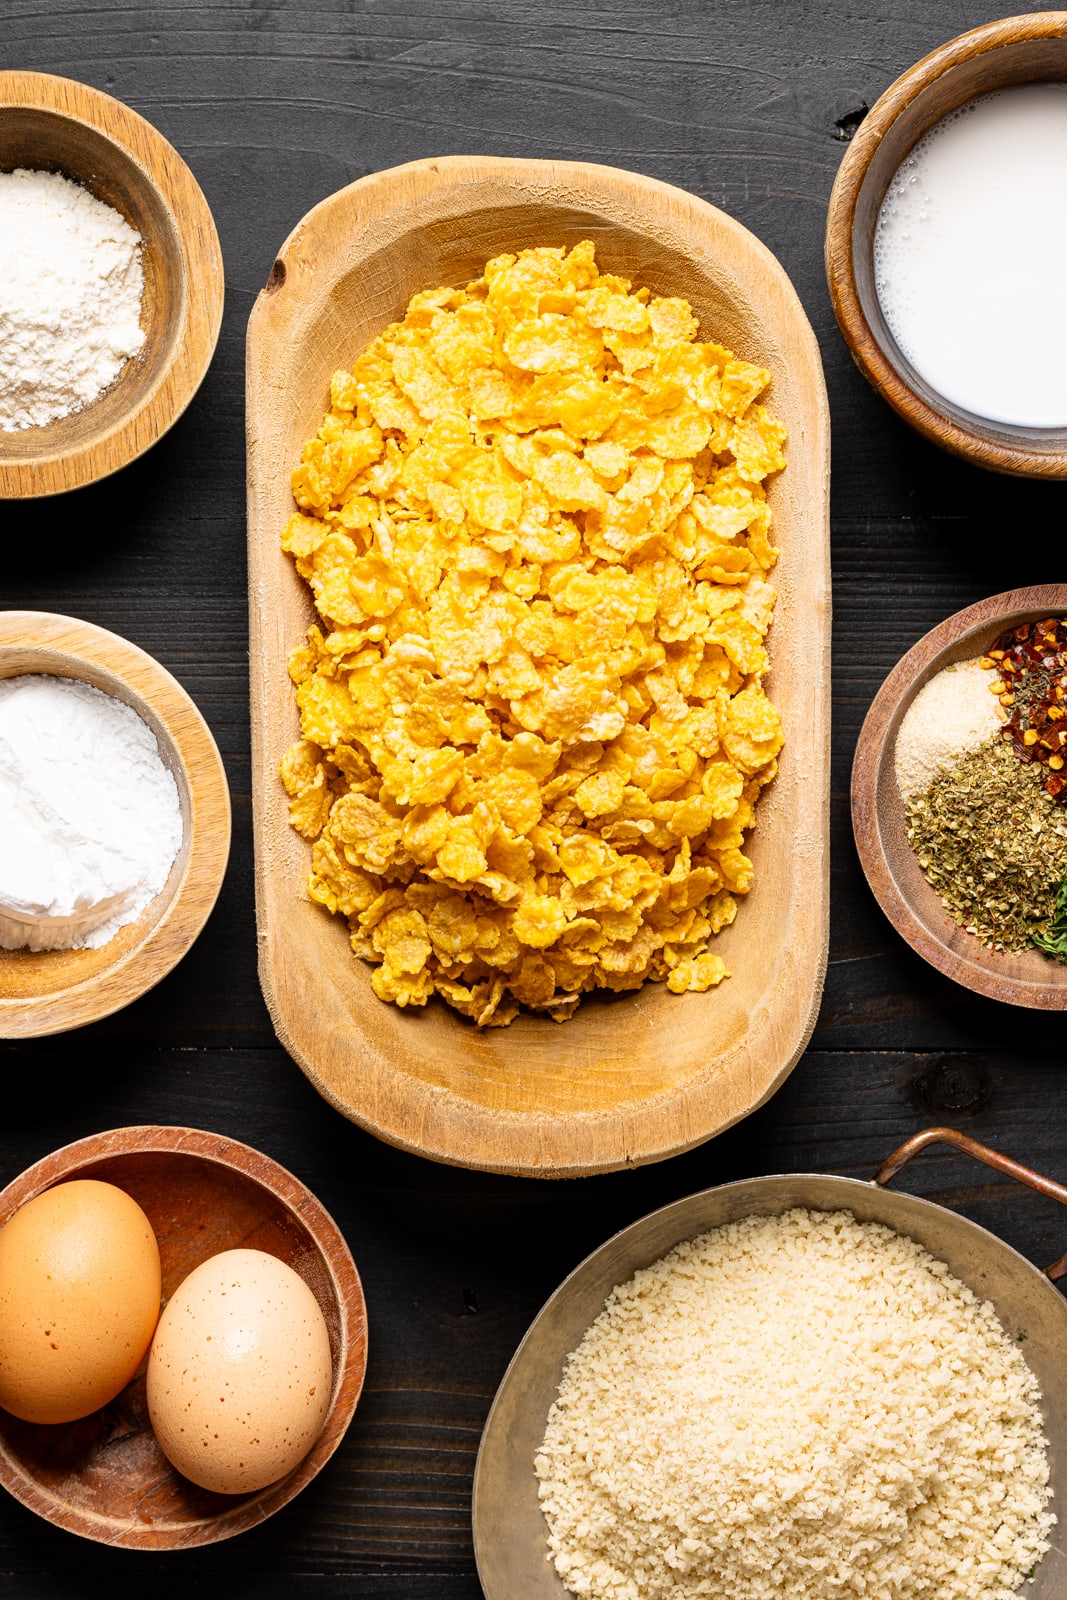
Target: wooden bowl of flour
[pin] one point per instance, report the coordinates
(49, 991)
(55, 125)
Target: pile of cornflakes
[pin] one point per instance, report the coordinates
(534, 728)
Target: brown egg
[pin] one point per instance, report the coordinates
(240, 1376)
(79, 1300)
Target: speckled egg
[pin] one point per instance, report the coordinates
(79, 1298)
(239, 1376)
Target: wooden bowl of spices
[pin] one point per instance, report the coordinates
(104, 1476)
(113, 285)
(114, 935)
(981, 801)
(942, 245)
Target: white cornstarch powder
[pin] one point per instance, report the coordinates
(802, 1407)
(71, 284)
(90, 821)
(952, 714)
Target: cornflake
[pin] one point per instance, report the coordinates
(534, 727)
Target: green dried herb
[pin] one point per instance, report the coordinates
(993, 845)
(1054, 940)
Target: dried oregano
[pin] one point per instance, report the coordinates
(993, 845)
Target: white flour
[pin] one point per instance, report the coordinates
(71, 283)
(90, 822)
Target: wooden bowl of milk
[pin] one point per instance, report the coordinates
(946, 242)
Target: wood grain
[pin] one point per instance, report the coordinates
(880, 825)
(632, 1078)
(1017, 50)
(105, 1476)
(49, 991)
(274, 107)
(58, 125)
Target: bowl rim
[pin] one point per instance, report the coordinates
(895, 1204)
(942, 428)
(144, 963)
(415, 1114)
(898, 690)
(60, 1166)
(56, 471)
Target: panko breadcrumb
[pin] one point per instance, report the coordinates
(534, 727)
(803, 1406)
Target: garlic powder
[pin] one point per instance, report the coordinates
(951, 715)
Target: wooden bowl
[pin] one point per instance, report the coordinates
(880, 825)
(628, 1079)
(105, 1476)
(49, 991)
(999, 55)
(57, 125)
(510, 1531)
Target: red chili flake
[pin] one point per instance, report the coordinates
(1034, 656)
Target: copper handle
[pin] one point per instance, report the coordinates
(980, 1152)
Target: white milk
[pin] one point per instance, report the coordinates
(970, 256)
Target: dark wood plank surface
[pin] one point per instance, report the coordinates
(745, 102)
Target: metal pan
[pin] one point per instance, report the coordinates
(510, 1534)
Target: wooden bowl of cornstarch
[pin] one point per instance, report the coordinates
(113, 285)
(640, 1386)
(50, 990)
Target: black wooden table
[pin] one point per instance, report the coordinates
(747, 103)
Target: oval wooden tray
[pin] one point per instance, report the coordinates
(105, 1476)
(880, 826)
(49, 991)
(641, 1076)
(59, 125)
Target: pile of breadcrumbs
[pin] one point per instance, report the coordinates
(802, 1406)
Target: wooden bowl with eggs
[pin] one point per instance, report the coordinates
(630, 1078)
(105, 1477)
